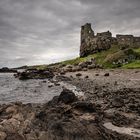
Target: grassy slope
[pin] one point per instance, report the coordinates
(100, 57)
(134, 64)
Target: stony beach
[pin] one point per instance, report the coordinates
(106, 108)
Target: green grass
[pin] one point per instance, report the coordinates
(132, 65)
(137, 50)
(101, 56)
(39, 67)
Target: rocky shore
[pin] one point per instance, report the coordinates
(7, 70)
(109, 109)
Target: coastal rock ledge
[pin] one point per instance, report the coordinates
(65, 117)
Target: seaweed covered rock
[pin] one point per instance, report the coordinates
(35, 74)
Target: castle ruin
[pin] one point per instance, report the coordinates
(91, 43)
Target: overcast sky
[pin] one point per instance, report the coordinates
(46, 31)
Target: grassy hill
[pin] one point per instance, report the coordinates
(106, 58)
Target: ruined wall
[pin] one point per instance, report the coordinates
(91, 43)
(137, 41)
(125, 39)
(129, 40)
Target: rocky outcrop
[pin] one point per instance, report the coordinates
(7, 70)
(65, 117)
(35, 74)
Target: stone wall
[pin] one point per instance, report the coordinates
(137, 41)
(91, 43)
(125, 39)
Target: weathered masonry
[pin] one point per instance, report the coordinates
(91, 43)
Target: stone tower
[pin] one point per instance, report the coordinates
(86, 32)
(86, 35)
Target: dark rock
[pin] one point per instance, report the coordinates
(120, 120)
(41, 115)
(54, 101)
(71, 76)
(44, 81)
(78, 74)
(57, 84)
(115, 83)
(24, 76)
(50, 85)
(69, 66)
(84, 106)
(7, 70)
(77, 68)
(106, 74)
(91, 66)
(83, 65)
(67, 96)
(87, 77)
(62, 73)
(63, 78)
(36, 74)
(118, 102)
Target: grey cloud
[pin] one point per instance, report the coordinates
(46, 31)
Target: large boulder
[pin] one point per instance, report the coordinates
(67, 96)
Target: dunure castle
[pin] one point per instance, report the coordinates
(91, 43)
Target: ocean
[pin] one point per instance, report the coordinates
(31, 91)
